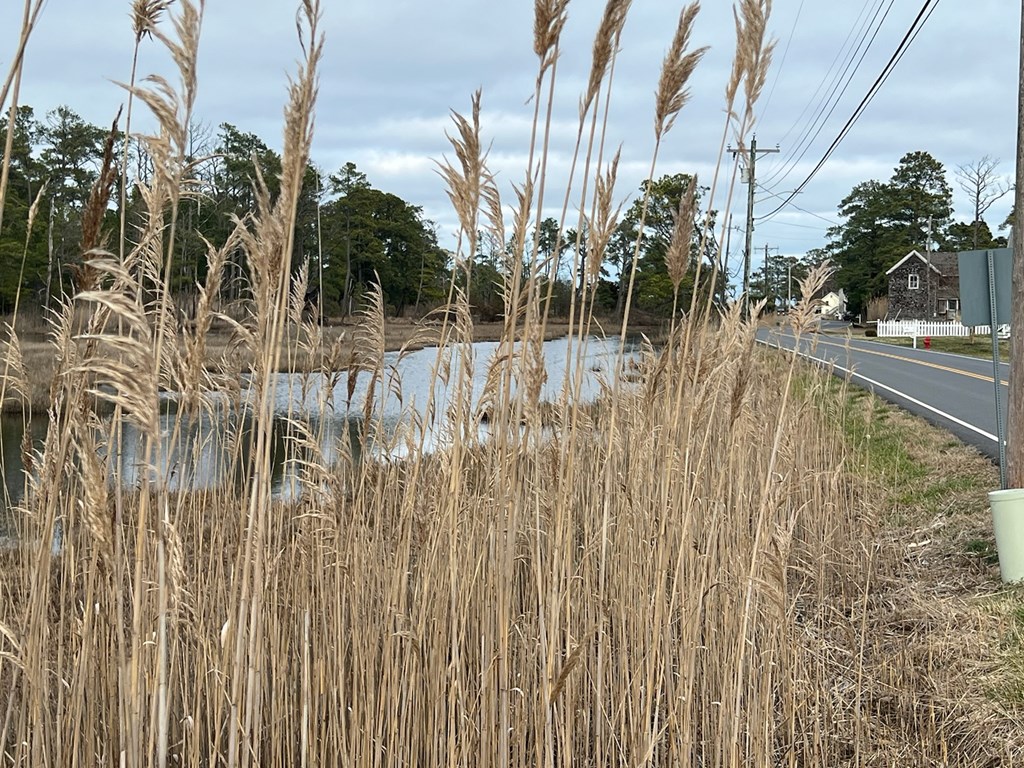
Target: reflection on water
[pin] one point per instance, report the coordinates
(212, 450)
(12, 432)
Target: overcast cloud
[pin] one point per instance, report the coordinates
(394, 68)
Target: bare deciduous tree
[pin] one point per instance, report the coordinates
(984, 186)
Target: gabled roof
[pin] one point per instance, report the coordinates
(947, 263)
(942, 263)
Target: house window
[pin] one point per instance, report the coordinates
(913, 282)
(949, 306)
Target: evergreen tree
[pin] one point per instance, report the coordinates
(71, 152)
(653, 289)
(885, 221)
(371, 235)
(22, 258)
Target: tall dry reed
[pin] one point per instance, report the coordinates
(678, 573)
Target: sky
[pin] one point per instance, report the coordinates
(393, 70)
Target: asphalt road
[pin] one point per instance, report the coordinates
(952, 391)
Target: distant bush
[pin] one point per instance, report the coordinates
(871, 333)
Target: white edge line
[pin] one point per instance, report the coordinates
(853, 374)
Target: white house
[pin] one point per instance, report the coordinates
(833, 304)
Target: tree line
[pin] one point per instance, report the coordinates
(349, 233)
(882, 221)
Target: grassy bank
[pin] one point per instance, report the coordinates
(829, 592)
(937, 599)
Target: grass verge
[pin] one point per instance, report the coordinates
(936, 599)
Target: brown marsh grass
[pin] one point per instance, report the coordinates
(680, 574)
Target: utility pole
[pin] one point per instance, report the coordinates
(767, 282)
(1015, 426)
(789, 284)
(930, 308)
(751, 174)
(725, 258)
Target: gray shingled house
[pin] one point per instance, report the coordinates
(923, 287)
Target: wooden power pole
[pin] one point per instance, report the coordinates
(1015, 423)
(751, 180)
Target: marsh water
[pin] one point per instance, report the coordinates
(212, 449)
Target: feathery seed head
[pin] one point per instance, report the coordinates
(96, 207)
(677, 257)
(146, 15)
(14, 364)
(492, 206)
(605, 218)
(93, 504)
(33, 210)
(549, 17)
(521, 217)
(753, 57)
(679, 64)
(605, 43)
(464, 182)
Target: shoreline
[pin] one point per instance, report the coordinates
(224, 354)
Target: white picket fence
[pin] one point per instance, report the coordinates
(890, 328)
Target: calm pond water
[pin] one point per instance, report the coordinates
(208, 448)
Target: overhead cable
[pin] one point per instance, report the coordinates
(919, 22)
(830, 103)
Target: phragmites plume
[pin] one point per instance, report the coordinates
(521, 217)
(548, 21)
(172, 110)
(464, 182)
(512, 263)
(99, 196)
(269, 245)
(146, 15)
(92, 216)
(33, 210)
(677, 257)
(92, 506)
(492, 206)
(14, 374)
(605, 43)
(753, 56)
(605, 218)
(803, 316)
(679, 64)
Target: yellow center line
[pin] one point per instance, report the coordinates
(979, 376)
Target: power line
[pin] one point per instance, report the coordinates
(860, 23)
(919, 22)
(794, 205)
(800, 226)
(782, 64)
(831, 102)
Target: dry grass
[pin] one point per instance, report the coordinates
(699, 569)
(938, 604)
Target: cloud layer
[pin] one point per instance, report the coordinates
(394, 70)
